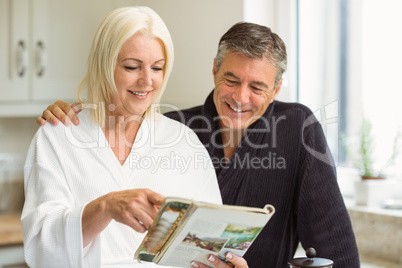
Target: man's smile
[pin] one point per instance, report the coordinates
(236, 110)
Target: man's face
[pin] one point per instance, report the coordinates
(244, 88)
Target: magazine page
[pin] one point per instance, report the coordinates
(214, 231)
(165, 224)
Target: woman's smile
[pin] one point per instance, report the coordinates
(141, 94)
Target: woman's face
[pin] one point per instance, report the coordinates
(138, 74)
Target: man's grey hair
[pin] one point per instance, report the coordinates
(254, 41)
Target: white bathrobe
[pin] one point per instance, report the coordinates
(68, 167)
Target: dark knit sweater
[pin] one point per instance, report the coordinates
(290, 170)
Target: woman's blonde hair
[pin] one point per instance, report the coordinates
(115, 29)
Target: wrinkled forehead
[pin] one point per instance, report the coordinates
(248, 69)
(263, 61)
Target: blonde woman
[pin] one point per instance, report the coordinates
(93, 190)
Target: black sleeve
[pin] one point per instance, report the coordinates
(323, 220)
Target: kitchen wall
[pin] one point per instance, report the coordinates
(16, 134)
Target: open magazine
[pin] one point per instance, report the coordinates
(185, 230)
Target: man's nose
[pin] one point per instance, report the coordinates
(241, 95)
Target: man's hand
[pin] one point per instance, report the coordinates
(60, 111)
(237, 261)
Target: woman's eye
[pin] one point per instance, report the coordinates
(130, 68)
(157, 69)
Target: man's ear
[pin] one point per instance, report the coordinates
(278, 87)
(214, 68)
(276, 91)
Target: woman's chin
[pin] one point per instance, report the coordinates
(138, 110)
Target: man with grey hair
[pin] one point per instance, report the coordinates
(267, 152)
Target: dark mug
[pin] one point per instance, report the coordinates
(310, 261)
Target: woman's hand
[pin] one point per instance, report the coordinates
(237, 261)
(136, 208)
(60, 111)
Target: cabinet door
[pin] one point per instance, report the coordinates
(61, 37)
(14, 46)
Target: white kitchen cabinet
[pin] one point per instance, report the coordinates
(62, 33)
(14, 38)
(44, 45)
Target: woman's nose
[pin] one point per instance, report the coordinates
(145, 78)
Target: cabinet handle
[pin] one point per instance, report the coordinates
(22, 58)
(41, 59)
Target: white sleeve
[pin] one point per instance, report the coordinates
(51, 222)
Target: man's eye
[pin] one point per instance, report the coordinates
(231, 82)
(256, 89)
